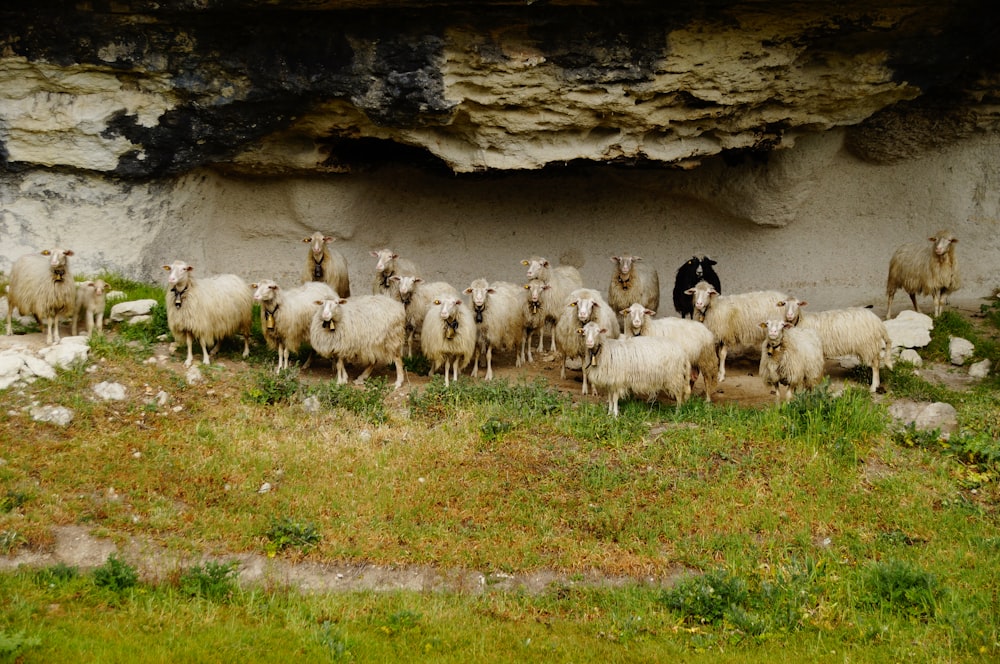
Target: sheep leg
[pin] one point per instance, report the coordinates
(875, 378)
(309, 359)
(913, 299)
(99, 322)
(400, 372)
(938, 303)
(447, 372)
(73, 323)
(190, 346)
(888, 304)
(489, 363)
(475, 363)
(360, 380)
(205, 354)
(341, 372)
(723, 351)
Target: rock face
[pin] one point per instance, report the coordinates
(142, 89)
(194, 128)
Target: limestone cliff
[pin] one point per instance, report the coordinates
(140, 88)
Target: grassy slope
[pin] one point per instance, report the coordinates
(822, 533)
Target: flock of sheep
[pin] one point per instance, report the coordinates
(622, 348)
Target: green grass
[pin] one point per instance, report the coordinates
(814, 531)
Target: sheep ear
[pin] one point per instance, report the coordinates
(616, 259)
(689, 291)
(545, 263)
(167, 268)
(273, 286)
(546, 287)
(254, 286)
(342, 301)
(763, 325)
(468, 291)
(624, 312)
(394, 277)
(932, 239)
(603, 331)
(68, 252)
(308, 240)
(189, 268)
(491, 291)
(327, 239)
(524, 262)
(636, 258)
(803, 303)
(954, 239)
(786, 325)
(649, 312)
(780, 303)
(418, 280)
(374, 253)
(88, 284)
(318, 302)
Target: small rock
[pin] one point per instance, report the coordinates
(110, 391)
(960, 350)
(980, 369)
(910, 329)
(264, 488)
(925, 416)
(911, 356)
(58, 415)
(128, 311)
(311, 404)
(193, 376)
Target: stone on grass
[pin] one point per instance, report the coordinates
(110, 391)
(58, 415)
(911, 356)
(910, 329)
(980, 369)
(127, 311)
(960, 350)
(925, 416)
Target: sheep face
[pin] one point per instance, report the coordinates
(635, 316)
(178, 273)
(479, 290)
(775, 330)
(702, 296)
(535, 267)
(942, 242)
(264, 291)
(57, 262)
(585, 308)
(316, 243)
(625, 265)
(329, 313)
(405, 285)
(535, 289)
(385, 260)
(791, 306)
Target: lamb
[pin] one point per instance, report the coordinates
(791, 358)
(853, 331)
(499, 316)
(688, 275)
(582, 306)
(326, 265)
(286, 315)
(640, 365)
(693, 336)
(561, 281)
(733, 319)
(449, 335)
(922, 270)
(207, 309)
(388, 264)
(633, 281)
(535, 306)
(90, 301)
(364, 329)
(41, 285)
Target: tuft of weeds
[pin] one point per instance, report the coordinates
(269, 388)
(903, 382)
(213, 581)
(10, 540)
(116, 575)
(837, 423)
(417, 364)
(13, 500)
(898, 587)
(591, 422)
(13, 645)
(56, 575)
(367, 402)
(707, 598)
(285, 533)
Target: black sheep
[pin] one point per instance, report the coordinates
(694, 270)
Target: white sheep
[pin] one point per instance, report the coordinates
(633, 281)
(449, 335)
(853, 331)
(696, 339)
(924, 270)
(562, 280)
(583, 305)
(286, 314)
(535, 303)
(326, 265)
(791, 358)
(208, 309)
(644, 366)
(417, 297)
(499, 315)
(733, 319)
(389, 263)
(365, 330)
(41, 285)
(90, 302)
